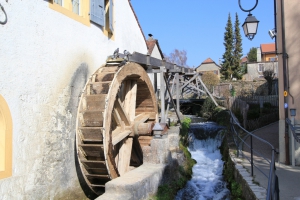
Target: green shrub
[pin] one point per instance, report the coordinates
(267, 105)
(207, 108)
(184, 131)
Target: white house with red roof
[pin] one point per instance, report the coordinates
(209, 65)
(266, 60)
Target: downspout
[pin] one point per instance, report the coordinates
(285, 85)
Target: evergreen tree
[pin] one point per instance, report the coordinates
(252, 55)
(227, 56)
(238, 50)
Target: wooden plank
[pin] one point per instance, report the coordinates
(94, 102)
(121, 111)
(93, 150)
(91, 118)
(138, 58)
(145, 128)
(93, 164)
(110, 69)
(118, 135)
(93, 176)
(152, 115)
(144, 109)
(100, 171)
(104, 77)
(91, 133)
(99, 87)
(124, 156)
(142, 117)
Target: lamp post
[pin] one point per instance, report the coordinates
(284, 65)
(251, 23)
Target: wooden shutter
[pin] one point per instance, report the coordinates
(111, 16)
(97, 13)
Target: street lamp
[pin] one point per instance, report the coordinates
(250, 26)
(251, 23)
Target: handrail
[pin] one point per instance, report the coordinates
(273, 188)
(294, 129)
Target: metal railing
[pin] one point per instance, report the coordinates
(295, 130)
(239, 134)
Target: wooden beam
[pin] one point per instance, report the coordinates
(121, 112)
(118, 134)
(124, 156)
(186, 83)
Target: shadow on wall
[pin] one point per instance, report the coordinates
(78, 81)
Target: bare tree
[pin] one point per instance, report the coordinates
(269, 75)
(177, 57)
(210, 79)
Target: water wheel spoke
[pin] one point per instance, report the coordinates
(120, 115)
(125, 155)
(142, 117)
(130, 98)
(118, 134)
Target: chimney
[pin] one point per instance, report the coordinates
(150, 37)
(258, 56)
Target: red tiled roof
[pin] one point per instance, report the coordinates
(151, 44)
(267, 48)
(244, 59)
(208, 60)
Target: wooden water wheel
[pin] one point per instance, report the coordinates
(116, 114)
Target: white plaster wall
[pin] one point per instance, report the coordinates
(45, 60)
(155, 54)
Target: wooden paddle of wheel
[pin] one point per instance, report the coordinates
(116, 115)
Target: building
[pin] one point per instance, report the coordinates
(154, 51)
(288, 48)
(48, 52)
(268, 52)
(266, 60)
(209, 65)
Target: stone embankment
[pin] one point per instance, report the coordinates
(142, 182)
(250, 189)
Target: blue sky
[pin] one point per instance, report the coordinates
(198, 26)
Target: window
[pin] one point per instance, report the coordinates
(59, 2)
(272, 59)
(102, 13)
(261, 67)
(98, 12)
(5, 140)
(78, 10)
(75, 5)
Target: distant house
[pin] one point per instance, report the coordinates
(268, 52)
(154, 51)
(244, 60)
(209, 66)
(266, 60)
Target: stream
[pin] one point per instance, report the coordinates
(207, 181)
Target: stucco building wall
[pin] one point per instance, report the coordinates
(46, 59)
(291, 40)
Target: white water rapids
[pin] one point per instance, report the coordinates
(207, 181)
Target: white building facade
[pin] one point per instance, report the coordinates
(48, 51)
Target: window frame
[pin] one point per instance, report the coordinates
(6, 128)
(261, 65)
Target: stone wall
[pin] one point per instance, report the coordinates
(259, 87)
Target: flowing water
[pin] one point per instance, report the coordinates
(207, 180)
